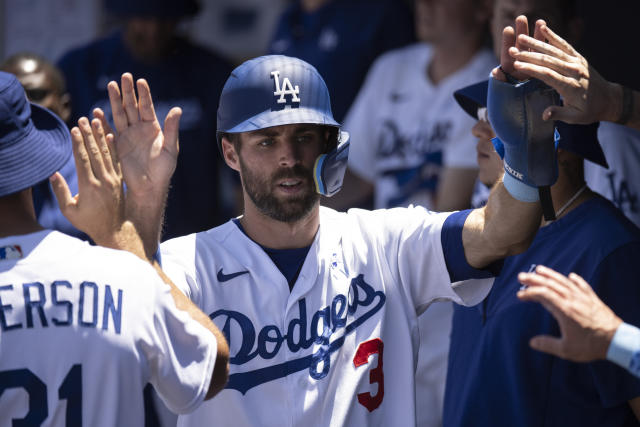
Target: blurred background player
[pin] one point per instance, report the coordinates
(342, 38)
(491, 340)
(149, 45)
(44, 85)
(104, 319)
(410, 142)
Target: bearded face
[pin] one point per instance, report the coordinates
(287, 195)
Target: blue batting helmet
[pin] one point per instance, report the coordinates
(276, 90)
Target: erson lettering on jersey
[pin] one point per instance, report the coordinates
(335, 321)
(59, 297)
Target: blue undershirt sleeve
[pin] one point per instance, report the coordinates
(457, 265)
(624, 349)
(615, 384)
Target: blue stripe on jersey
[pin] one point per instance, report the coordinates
(457, 265)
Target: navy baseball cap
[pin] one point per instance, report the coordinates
(273, 90)
(579, 139)
(34, 142)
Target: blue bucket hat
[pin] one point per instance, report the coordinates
(34, 142)
(579, 139)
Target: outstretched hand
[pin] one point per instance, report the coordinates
(147, 155)
(99, 207)
(586, 95)
(511, 40)
(587, 325)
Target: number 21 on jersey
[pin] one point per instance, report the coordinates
(70, 390)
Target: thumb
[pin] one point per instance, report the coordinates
(171, 127)
(564, 114)
(63, 195)
(547, 344)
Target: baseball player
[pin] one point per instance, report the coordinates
(83, 328)
(319, 307)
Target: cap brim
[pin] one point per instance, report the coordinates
(583, 141)
(42, 152)
(284, 117)
(472, 97)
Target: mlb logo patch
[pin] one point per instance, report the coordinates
(10, 252)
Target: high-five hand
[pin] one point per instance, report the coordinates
(99, 207)
(511, 39)
(587, 96)
(147, 155)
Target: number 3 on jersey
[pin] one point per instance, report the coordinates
(376, 375)
(70, 390)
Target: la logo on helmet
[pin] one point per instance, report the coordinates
(286, 88)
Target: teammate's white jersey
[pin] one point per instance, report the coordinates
(404, 129)
(340, 348)
(621, 182)
(83, 329)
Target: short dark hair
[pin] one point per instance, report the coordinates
(233, 138)
(13, 65)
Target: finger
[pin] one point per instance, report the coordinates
(114, 154)
(564, 114)
(508, 40)
(580, 283)
(537, 32)
(567, 69)
(539, 292)
(99, 114)
(551, 77)
(171, 128)
(557, 41)
(547, 344)
(129, 99)
(63, 194)
(554, 276)
(530, 43)
(498, 74)
(147, 112)
(539, 281)
(83, 164)
(117, 109)
(92, 149)
(522, 27)
(105, 151)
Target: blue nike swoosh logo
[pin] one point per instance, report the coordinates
(225, 277)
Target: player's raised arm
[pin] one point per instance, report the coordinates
(99, 210)
(508, 222)
(146, 152)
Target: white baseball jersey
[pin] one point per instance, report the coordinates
(83, 329)
(621, 182)
(340, 348)
(404, 129)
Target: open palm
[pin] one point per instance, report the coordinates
(147, 155)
